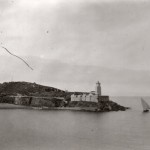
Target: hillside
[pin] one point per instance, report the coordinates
(27, 88)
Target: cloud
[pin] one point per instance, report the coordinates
(74, 43)
(76, 77)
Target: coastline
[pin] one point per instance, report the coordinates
(13, 106)
(87, 109)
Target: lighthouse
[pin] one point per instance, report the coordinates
(98, 89)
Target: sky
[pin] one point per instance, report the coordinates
(72, 44)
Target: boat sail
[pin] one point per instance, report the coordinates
(146, 107)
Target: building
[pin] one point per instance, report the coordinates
(98, 89)
(93, 96)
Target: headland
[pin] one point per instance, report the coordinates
(26, 95)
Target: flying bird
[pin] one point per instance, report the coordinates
(17, 57)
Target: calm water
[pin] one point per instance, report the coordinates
(71, 130)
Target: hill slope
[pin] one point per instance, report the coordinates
(27, 88)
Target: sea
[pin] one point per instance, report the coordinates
(23, 129)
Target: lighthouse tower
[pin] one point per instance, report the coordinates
(98, 89)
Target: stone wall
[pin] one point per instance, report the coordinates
(39, 101)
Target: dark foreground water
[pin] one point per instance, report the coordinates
(22, 129)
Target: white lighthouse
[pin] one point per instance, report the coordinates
(93, 96)
(98, 89)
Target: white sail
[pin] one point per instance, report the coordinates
(145, 105)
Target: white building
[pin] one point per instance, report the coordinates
(91, 97)
(98, 89)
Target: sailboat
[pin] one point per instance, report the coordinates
(146, 107)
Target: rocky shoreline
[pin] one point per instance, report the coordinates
(99, 107)
(78, 106)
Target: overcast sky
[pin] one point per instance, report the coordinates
(71, 44)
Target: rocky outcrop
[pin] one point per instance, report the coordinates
(110, 106)
(82, 104)
(101, 106)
